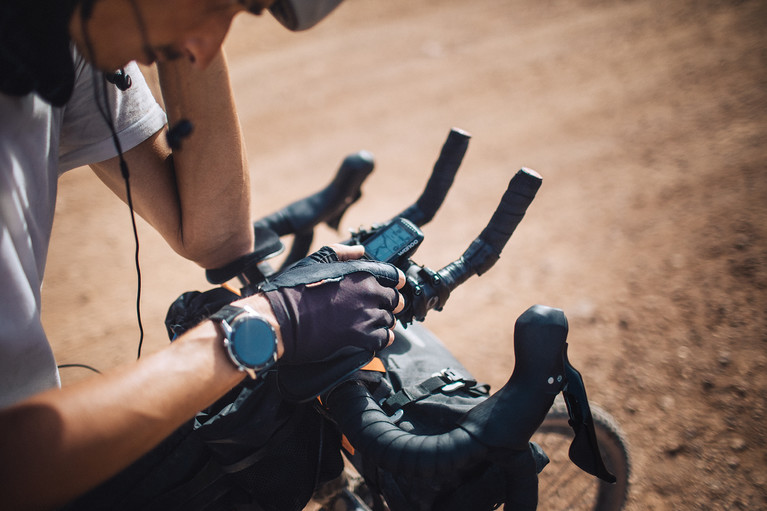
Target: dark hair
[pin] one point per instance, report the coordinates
(34, 49)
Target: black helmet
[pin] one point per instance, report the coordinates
(302, 14)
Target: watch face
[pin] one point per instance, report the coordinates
(253, 342)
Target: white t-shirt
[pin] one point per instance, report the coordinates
(38, 143)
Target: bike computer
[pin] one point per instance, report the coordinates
(394, 241)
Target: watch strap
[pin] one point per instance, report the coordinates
(229, 312)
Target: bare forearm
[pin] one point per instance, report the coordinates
(63, 442)
(198, 196)
(211, 168)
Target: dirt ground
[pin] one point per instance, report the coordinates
(647, 121)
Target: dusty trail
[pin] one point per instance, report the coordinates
(647, 121)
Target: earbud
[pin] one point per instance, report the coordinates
(178, 132)
(120, 79)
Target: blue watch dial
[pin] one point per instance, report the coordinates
(253, 342)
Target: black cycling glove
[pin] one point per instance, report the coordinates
(328, 308)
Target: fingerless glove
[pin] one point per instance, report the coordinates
(328, 308)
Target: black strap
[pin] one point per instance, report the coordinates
(448, 380)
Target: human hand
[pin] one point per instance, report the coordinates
(333, 304)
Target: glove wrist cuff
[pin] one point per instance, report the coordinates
(284, 319)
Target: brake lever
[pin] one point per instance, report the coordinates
(584, 449)
(327, 205)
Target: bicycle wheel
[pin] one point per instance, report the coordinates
(562, 485)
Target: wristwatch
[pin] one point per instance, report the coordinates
(249, 339)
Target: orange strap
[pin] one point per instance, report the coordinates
(229, 287)
(374, 365)
(348, 447)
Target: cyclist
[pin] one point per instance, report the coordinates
(56, 115)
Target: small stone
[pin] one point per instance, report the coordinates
(675, 449)
(666, 403)
(738, 443)
(631, 405)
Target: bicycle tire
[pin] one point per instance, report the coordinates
(562, 485)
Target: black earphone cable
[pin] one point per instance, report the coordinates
(175, 135)
(104, 110)
(84, 366)
(100, 96)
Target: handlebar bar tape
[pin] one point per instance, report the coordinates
(375, 434)
(514, 203)
(441, 179)
(486, 249)
(503, 422)
(268, 245)
(522, 479)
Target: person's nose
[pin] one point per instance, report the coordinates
(203, 45)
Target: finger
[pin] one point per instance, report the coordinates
(391, 336)
(400, 303)
(383, 332)
(386, 274)
(348, 252)
(391, 300)
(401, 282)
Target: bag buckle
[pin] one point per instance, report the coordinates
(453, 380)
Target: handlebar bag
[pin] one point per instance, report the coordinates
(251, 449)
(428, 390)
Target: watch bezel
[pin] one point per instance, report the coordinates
(229, 317)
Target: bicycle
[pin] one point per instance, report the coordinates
(487, 439)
